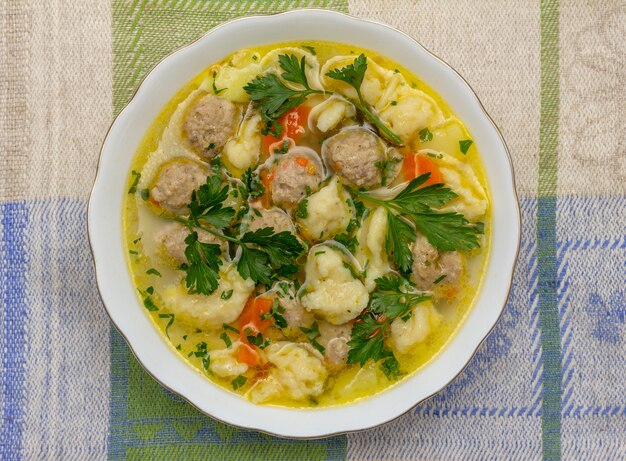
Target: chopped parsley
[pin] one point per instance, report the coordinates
(215, 90)
(254, 186)
(256, 340)
(425, 135)
(226, 295)
(145, 194)
(202, 352)
(238, 382)
(149, 304)
(133, 187)
(302, 211)
(465, 145)
(224, 337)
(312, 334)
(169, 324)
(310, 49)
(387, 168)
(153, 271)
(440, 279)
(228, 327)
(351, 270)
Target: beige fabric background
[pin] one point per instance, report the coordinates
(55, 95)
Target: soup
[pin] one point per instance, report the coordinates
(307, 223)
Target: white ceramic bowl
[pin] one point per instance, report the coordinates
(105, 223)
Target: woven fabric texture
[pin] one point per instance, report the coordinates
(548, 383)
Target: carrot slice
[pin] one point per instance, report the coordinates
(248, 355)
(294, 123)
(251, 316)
(415, 165)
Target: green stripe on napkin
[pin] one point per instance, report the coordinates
(546, 230)
(148, 422)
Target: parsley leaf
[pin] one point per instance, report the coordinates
(274, 98)
(169, 324)
(346, 240)
(254, 186)
(465, 145)
(353, 75)
(224, 337)
(448, 231)
(133, 187)
(238, 382)
(425, 135)
(394, 297)
(301, 210)
(203, 267)
(206, 204)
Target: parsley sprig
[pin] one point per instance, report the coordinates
(273, 97)
(353, 75)
(394, 298)
(260, 250)
(411, 211)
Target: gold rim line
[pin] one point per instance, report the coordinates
(482, 108)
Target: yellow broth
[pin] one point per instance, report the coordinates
(345, 385)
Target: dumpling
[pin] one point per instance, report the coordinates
(297, 372)
(224, 362)
(404, 109)
(330, 290)
(405, 334)
(328, 114)
(243, 151)
(327, 212)
(371, 252)
(211, 311)
(460, 177)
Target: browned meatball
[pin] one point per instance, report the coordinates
(292, 177)
(172, 237)
(175, 182)
(334, 339)
(210, 123)
(260, 218)
(356, 156)
(429, 265)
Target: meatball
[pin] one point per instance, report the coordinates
(292, 178)
(356, 156)
(175, 183)
(295, 314)
(260, 218)
(334, 339)
(172, 238)
(429, 265)
(210, 123)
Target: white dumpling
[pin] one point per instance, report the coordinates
(330, 290)
(371, 252)
(243, 151)
(328, 114)
(297, 372)
(404, 109)
(460, 177)
(405, 334)
(224, 362)
(327, 212)
(211, 311)
(230, 79)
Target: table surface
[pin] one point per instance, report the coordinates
(549, 382)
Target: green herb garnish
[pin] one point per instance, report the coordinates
(169, 324)
(149, 304)
(224, 337)
(274, 98)
(312, 334)
(394, 297)
(425, 135)
(226, 295)
(133, 187)
(353, 75)
(302, 211)
(153, 271)
(410, 211)
(465, 145)
(238, 382)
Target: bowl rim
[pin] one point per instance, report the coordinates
(509, 276)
